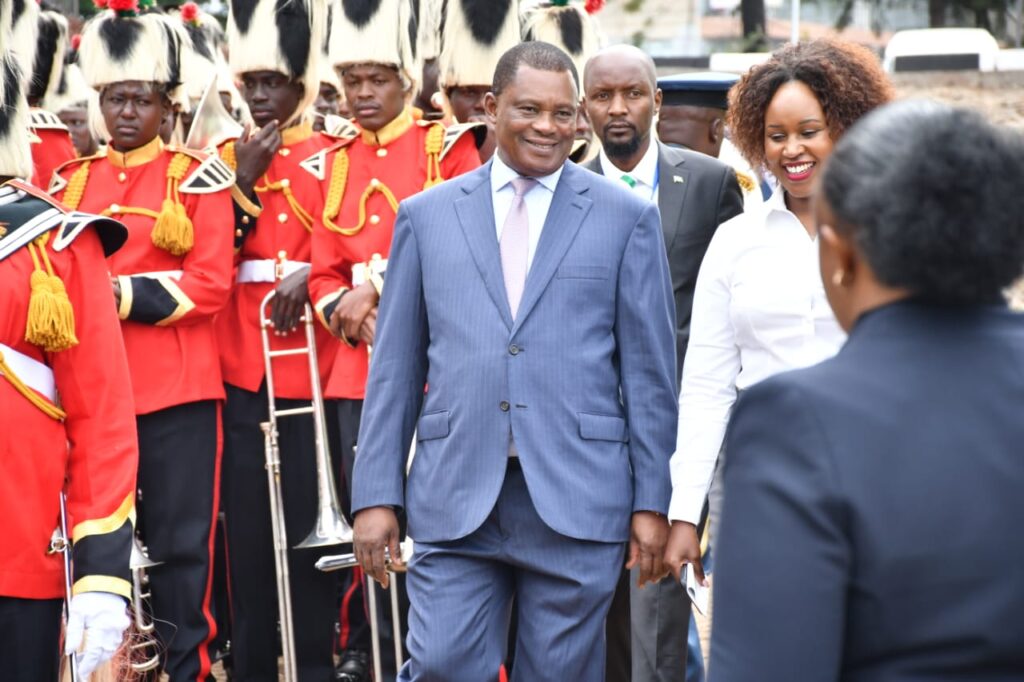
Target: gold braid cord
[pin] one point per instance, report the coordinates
(336, 190)
(227, 155)
(76, 186)
(47, 408)
(304, 216)
(173, 231)
(433, 146)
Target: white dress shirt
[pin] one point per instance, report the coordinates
(645, 173)
(538, 201)
(759, 308)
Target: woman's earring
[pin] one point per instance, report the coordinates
(839, 277)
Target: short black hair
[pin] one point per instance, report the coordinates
(537, 55)
(931, 196)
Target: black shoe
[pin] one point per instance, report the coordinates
(354, 666)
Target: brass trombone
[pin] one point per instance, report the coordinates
(331, 527)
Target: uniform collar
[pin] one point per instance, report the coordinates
(390, 132)
(296, 133)
(136, 157)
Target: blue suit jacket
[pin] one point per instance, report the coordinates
(873, 527)
(584, 378)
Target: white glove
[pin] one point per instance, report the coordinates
(102, 618)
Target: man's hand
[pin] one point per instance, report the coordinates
(368, 330)
(290, 297)
(254, 153)
(376, 528)
(353, 308)
(648, 535)
(684, 548)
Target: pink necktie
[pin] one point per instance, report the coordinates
(515, 243)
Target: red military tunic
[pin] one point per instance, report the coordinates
(51, 146)
(94, 446)
(167, 302)
(290, 198)
(382, 169)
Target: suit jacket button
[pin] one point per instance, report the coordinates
(503, 405)
(513, 349)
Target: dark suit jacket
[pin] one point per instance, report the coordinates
(704, 196)
(873, 528)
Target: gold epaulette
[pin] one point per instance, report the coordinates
(41, 119)
(453, 132)
(747, 183)
(57, 182)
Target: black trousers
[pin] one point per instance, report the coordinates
(178, 471)
(355, 628)
(30, 639)
(354, 621)
(253, 581)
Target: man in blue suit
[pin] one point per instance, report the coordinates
(533, 299)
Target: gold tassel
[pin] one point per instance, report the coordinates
(51, 319)
(173, 231)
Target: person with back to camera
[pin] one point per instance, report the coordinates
(876, 536)
(759, 307)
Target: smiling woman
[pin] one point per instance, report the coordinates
(759, 305)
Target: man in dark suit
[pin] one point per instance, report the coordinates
(534, 299)
(694, 194)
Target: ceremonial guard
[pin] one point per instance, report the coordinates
(470, 49)
(170, 279)
(329, 100)
(67, 422)
(274, 54)
(40, 41)
(392, 157)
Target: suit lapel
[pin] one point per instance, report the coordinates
(565, 216)
(671, 194)
(475, 211)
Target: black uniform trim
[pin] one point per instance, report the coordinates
(156, 300)
(105, 554)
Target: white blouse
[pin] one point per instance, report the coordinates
(759, 309)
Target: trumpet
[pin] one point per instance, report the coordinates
(337, 562)
(138, 563)
(331, 528)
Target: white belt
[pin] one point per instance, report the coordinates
(266, 270)
(362, 271)
(32, 373)
(173, 274)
